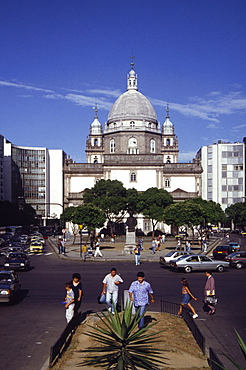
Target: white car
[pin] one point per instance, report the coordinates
(173, 255)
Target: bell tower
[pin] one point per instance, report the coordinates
(94, 143)
(169, 141)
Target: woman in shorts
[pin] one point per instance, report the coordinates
(187, 296)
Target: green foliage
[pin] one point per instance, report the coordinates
(123, 345)
(132, 199)
(243, 348)
(237, 213)
(212, 211)
(109, 196)
(184, 213)
(152, 204)
(88, 215)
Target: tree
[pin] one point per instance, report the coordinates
(132, 200)
(123, 346)
(237, 213)
(185, 213)
(212, 211)
(152, 204)
(111, 197)
(88, 215)
(67, 215)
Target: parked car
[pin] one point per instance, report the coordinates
(235, 246)
(17, 261)
(173, 255)
(222, 251)
(198, 262)
(36, 246)
(237, 259)
(9, 286)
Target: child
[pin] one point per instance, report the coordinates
(69, 302)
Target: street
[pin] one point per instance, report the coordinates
(31, 326)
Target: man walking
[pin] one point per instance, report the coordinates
(209, 290)
(139, 293)
(111, 288)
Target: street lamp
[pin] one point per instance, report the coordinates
(80, 232)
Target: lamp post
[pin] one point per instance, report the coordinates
(80, 232)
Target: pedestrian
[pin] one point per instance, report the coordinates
(163, 238)
(209, 291)
(137, 253)
(59, 245)
(158, 243)
(62, 246)
(187, 296)
(112, 238)
(69, 302)
(84, 252)
(111, 288)
(178, 244)
(140, 242)
(97, 251)
(153, 245)
(139, 293)
(205, 246)
(78, 292)
(102, 238)
(187, 246)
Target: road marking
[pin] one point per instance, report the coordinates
(47, 254)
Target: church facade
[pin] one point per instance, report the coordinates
(135, 149)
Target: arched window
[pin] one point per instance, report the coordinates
(95, 159)
(132, 146)
(168, 142)
(168, 159)
(167, 183)
(132, 124)
(152, 146)
(133, 177)
(96, 142)
(112, 146)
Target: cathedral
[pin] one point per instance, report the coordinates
(135, 149)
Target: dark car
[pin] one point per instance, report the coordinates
(9, 286)
(222, 251)
(14, 250)
(235, 246)
(237, 259)
(17, 261)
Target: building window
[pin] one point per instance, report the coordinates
(95, 159)
(168, 159)
(132, 124)
(133, 177)
(132, 146)
(112, 146)
(147, 225)
(152, 146)
(167, 183)
(95, 142)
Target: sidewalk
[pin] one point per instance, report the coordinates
(115, 251)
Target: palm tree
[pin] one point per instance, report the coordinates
(123, 346)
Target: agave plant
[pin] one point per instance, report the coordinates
(123, 345)
(243, 348)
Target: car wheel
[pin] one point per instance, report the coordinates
(220, 268)
(239, 265)
(188, 269)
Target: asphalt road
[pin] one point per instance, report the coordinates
(30, 327)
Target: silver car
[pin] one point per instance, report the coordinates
(198, 262)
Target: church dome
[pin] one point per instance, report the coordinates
(132, 105)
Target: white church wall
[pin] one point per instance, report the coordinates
(79, 183)
(181, 182)
(145, 178)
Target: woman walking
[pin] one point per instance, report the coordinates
(186, 298)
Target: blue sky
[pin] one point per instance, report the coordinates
(60, 57)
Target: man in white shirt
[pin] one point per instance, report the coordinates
(111, 288)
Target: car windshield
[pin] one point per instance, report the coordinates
(17, 255)
(5, 277)
(170, 254)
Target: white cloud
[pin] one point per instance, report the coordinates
(114, 93)
(21, 86)
(238, 127)
(212, 126)
(187, 157)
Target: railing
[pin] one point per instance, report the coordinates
(172, 309)
(64, 340)
(214, 361)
